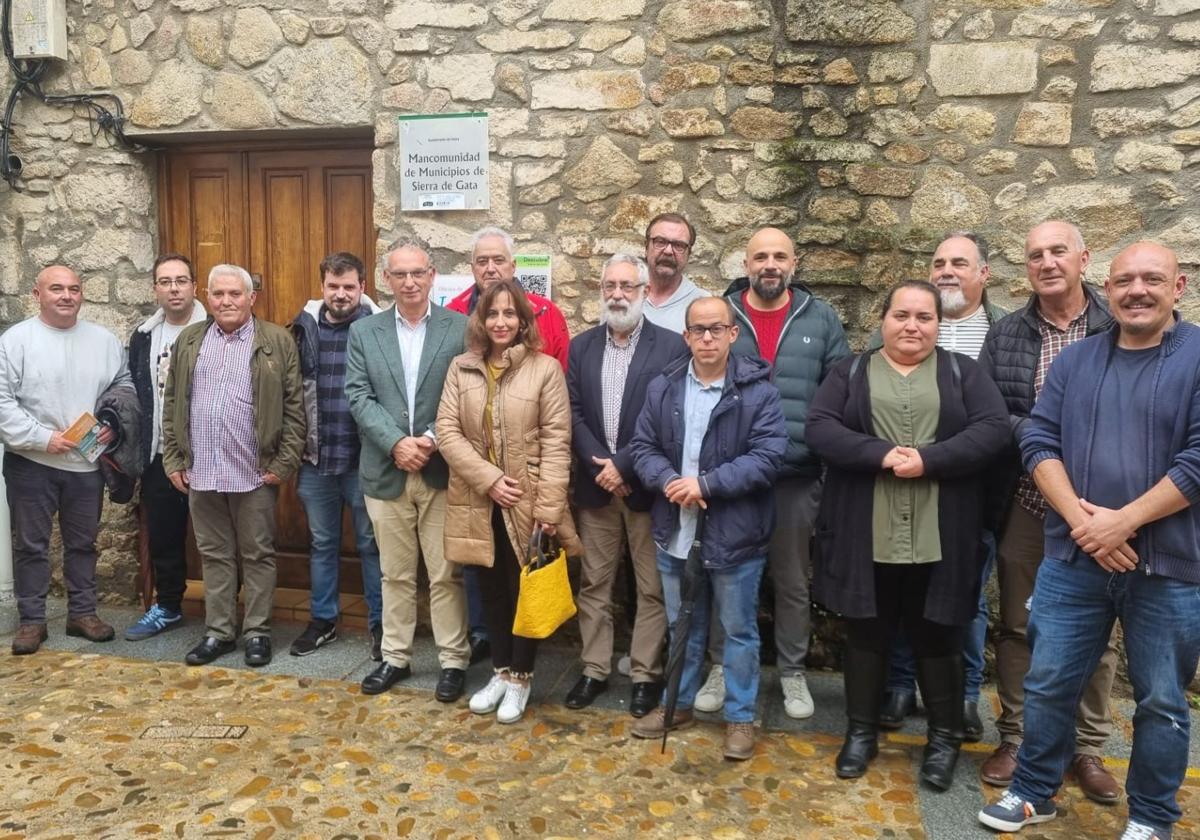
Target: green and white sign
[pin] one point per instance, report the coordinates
(444, 161)
(533, 273)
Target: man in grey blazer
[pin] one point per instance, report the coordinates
(396, 364)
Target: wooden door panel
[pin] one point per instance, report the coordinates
(278, 213)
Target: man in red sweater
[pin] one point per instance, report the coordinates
(491, 261)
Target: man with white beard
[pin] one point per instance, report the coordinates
(609, 367)
(801, 338)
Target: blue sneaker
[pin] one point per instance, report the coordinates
(1141, 831)
(1012, 813)
(152, 623)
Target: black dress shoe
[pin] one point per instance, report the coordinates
(585, 691)
(481, 648)
(377, 642)
(210, 648)
(450, 685)
(384, 677)
(645, 698)
(258, 651)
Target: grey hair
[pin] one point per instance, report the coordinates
(487, 233)
(226, 270)
(403, 244)
(643, 270)
(981, 244)
(1074, 228)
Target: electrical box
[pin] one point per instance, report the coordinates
(39, 28)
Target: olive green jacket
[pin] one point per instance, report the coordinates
(278, 399)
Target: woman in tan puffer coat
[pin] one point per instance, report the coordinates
(504, 427)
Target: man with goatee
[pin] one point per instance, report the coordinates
(801, 338)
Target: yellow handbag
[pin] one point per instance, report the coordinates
(545, 601)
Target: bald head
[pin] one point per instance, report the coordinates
(1143, 286)
(770, 263)
(59, 293)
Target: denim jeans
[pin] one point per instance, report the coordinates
(733, 593)
(323, 497)
(1074, 607)
(476, 618)
(902, 673)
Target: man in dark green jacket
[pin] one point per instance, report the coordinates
(801, 337)
(233, 431)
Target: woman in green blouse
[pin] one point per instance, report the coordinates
(906, 433)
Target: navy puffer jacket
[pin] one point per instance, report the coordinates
(739, 458)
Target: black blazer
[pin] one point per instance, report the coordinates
(656, 349)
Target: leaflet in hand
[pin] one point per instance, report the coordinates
(85, 434)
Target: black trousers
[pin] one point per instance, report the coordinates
(900, 592)
(501, 584)
(166, 522)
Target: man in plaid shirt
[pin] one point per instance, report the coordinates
(1017, 354)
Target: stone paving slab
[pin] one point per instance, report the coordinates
(178, 751)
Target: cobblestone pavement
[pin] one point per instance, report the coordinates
(123, 740)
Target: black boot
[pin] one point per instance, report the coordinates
(941, 681)
(864, 673)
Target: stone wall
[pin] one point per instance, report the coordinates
(864, 127)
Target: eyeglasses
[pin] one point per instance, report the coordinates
(626, 288)
(406, 275)
(675, 245)
(173, 282)
(717, 330)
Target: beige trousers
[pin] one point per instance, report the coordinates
(229, 526)
(605, 532)
(408, 527)
(1018, 558)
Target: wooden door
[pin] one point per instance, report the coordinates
(276, 211)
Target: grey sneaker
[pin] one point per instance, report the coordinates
(1012, 813)
(712, 694)
(797, 702)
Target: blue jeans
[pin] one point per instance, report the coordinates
(1074, 607)
(734, 592)
(323, 497)
(476, 619)
(902, 673)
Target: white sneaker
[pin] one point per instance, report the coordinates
(512, 707)
(712, 694)
(485, 700)
(797, 702)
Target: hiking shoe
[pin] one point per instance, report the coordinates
(739, 741)
(28, 639)
(712, 694)
(1011, 813)
(1141, 831)
(90, 627)
(797, 701)
(152, 623)
(485, 700)
(654, 725)
(317, 633)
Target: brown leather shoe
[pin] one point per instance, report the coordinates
(999, 767)
(1094, 780)
(91, 628)
(28, 639)
(739, 741)
(653, 725)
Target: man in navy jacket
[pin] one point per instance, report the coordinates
(712, 435)
(609, 368)
(1114, 445)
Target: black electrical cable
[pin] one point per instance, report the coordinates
(28, 74)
